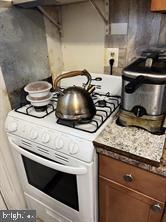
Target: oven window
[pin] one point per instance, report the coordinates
(61, 186)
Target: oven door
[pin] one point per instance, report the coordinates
(67, 189)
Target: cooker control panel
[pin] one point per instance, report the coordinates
(51, 139)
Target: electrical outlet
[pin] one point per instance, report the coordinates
(111, 53)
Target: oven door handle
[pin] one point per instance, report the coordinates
(49, 163)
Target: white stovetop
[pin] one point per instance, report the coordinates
(50, 123)
(49, 133)
(109, 83)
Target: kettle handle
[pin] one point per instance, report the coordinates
(72, 74)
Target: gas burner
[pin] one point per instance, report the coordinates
(102, 103)
(66, 122)
(71, 123)
(105, 104)
(37, 112)
(40, 108)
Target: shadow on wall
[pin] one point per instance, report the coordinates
(23, 49)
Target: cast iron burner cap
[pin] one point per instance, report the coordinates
(40, 108)
(101, 103)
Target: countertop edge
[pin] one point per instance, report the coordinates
(127, 154)
(136, 163)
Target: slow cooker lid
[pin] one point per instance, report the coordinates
(156, 72)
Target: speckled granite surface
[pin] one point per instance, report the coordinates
(135, 146)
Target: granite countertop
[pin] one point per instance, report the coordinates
(135, 146)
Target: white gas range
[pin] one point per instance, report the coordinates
(57, 163)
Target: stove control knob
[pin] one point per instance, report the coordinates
(12, 127)
(45, 138)
(33, 134)
(73, 148)
(59, 144)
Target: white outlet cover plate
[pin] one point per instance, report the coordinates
(108, 55)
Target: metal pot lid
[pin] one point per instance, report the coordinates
(156, 72)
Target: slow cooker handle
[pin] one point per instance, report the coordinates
(134, 84)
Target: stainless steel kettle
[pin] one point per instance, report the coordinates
(75, 103)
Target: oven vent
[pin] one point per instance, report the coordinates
(60, 157)
(26, 143)
(41, 149)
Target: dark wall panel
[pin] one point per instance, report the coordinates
(23, 49)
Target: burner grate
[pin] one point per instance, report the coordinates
(103, 111)
(48, 109)
(102, 117)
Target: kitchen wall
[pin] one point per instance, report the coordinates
(83, 35)
(144, 30)
(80, 45)
(82, 42)
(82, 38)
(54, 43)
(23, 49)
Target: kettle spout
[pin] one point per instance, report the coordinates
(91, 89)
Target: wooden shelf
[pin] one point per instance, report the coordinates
(36, 3)
(158, 6)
